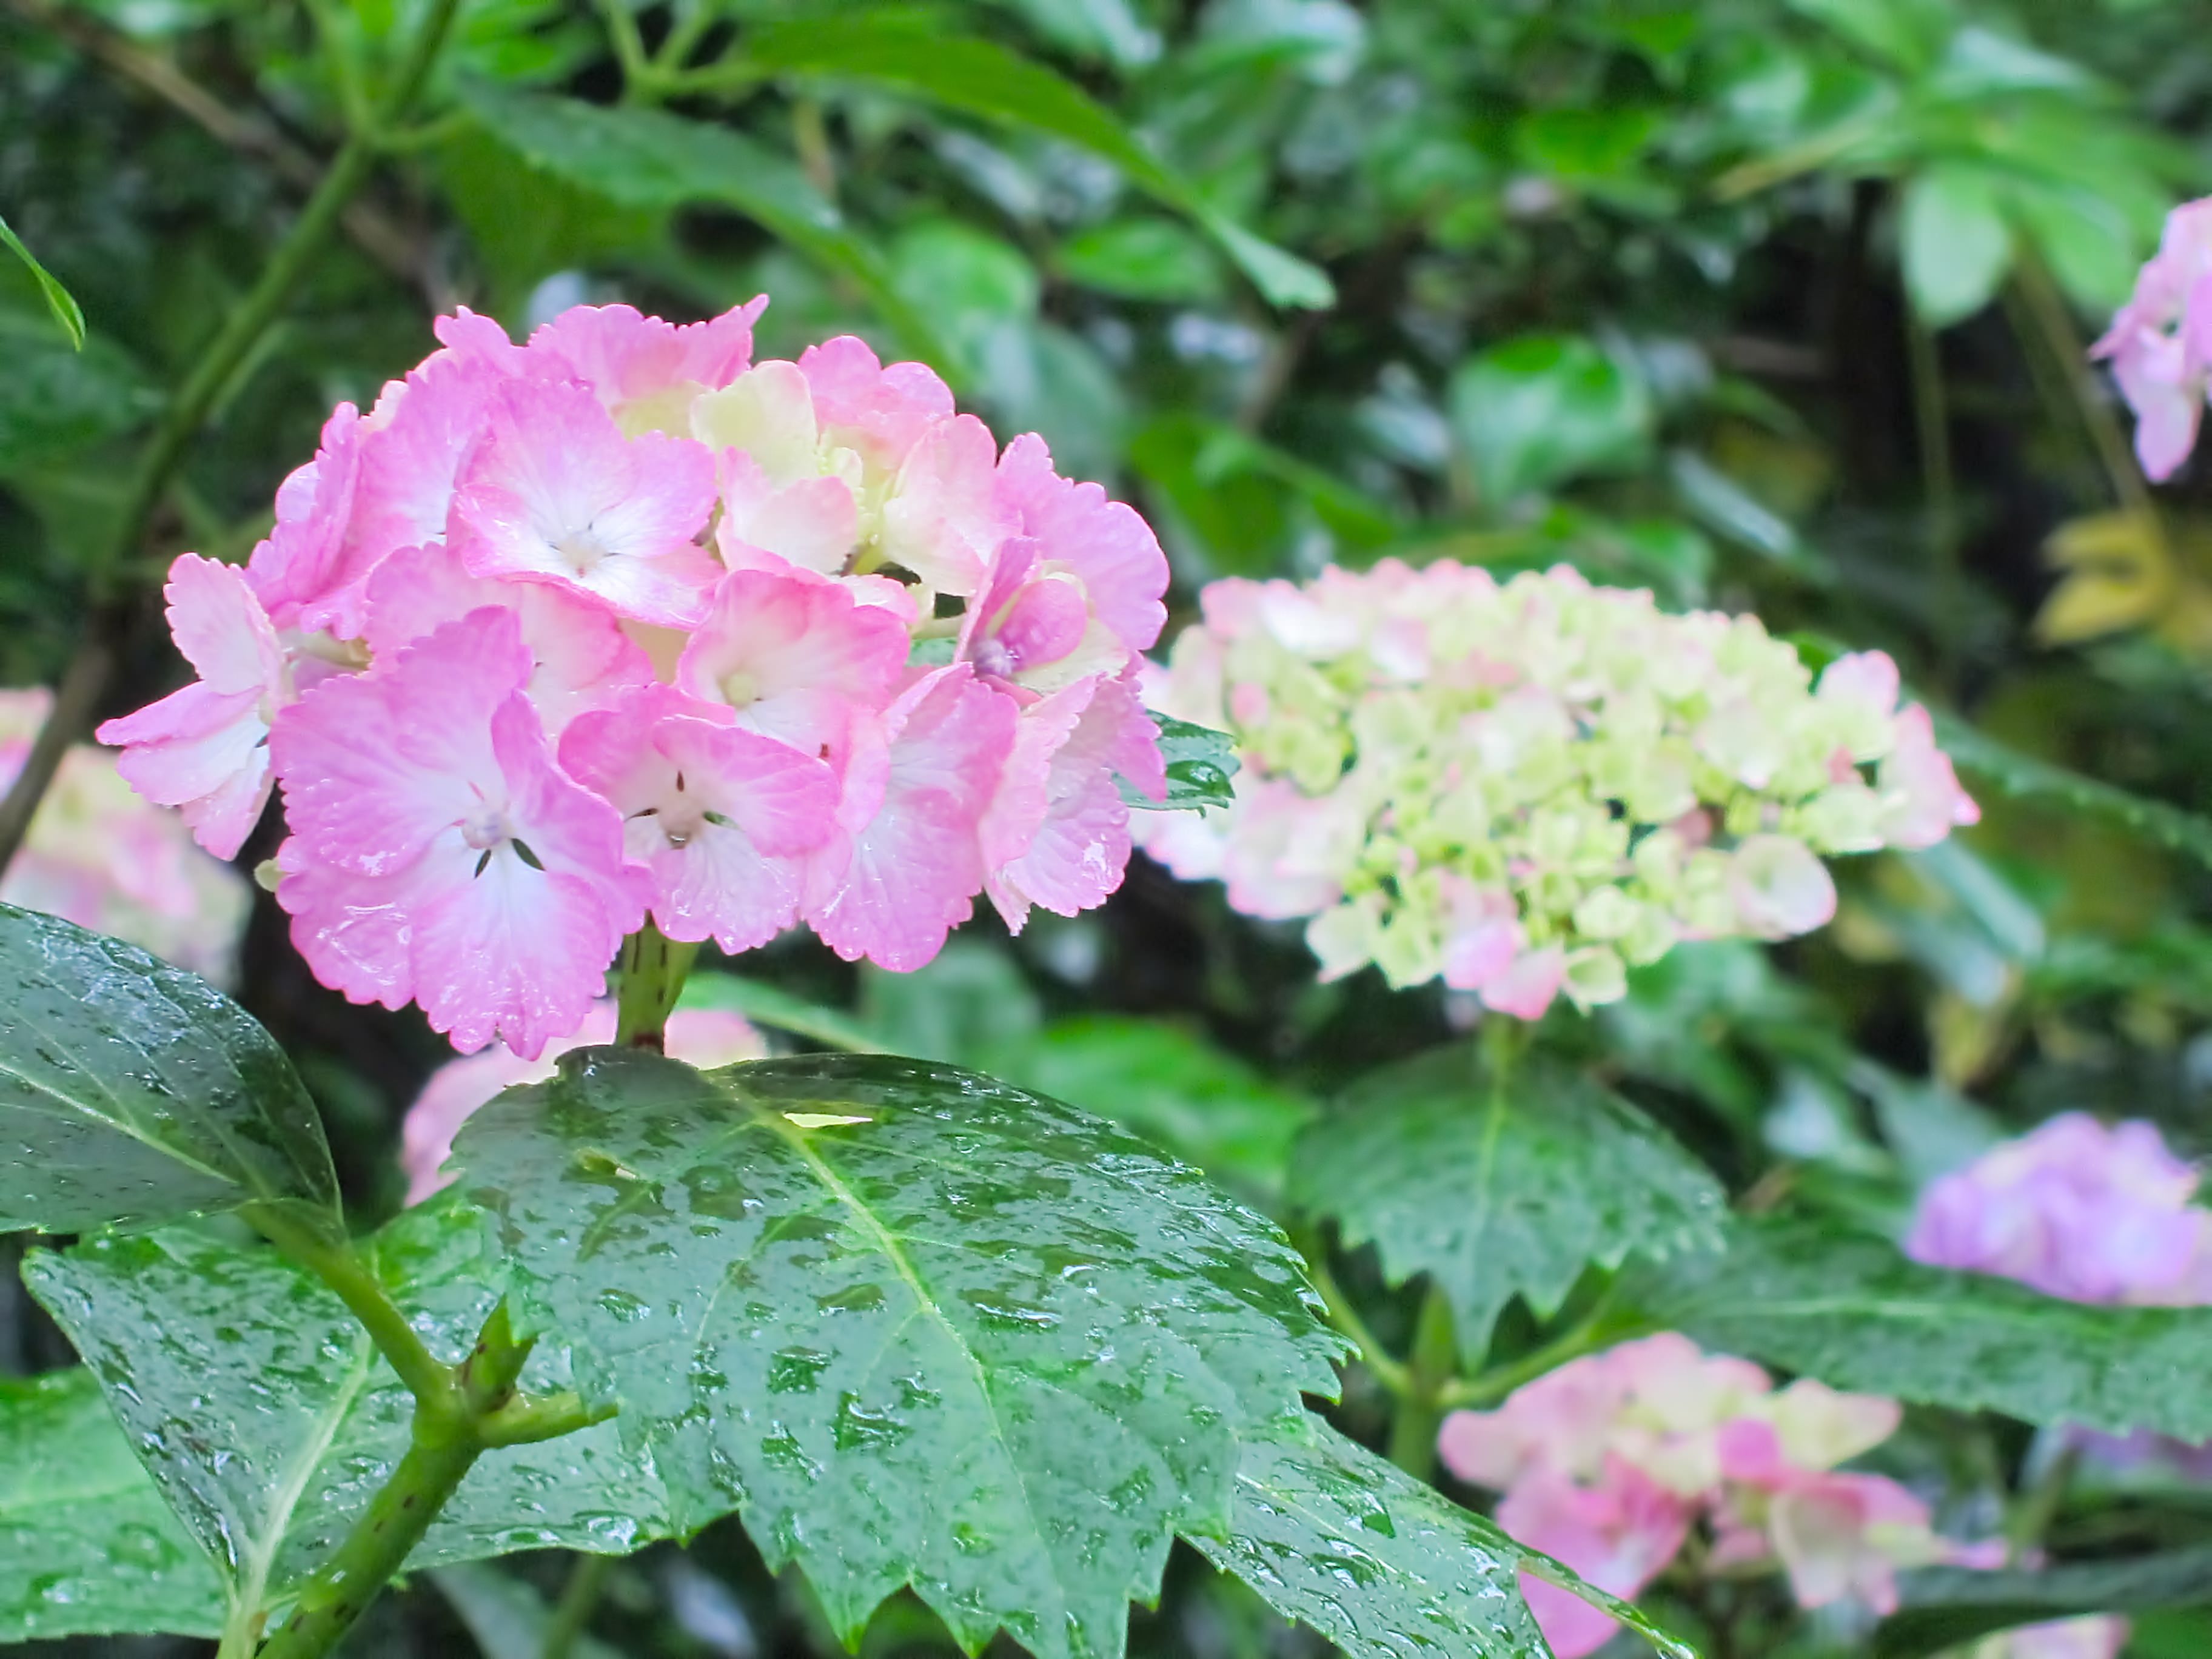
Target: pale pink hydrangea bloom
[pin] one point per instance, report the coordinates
(1524, 789)
(2159, 344)
(617, 623)
(1609, 1462)
(705, 1037)
(99, 855)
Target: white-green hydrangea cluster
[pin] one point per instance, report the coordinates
(1525, 787)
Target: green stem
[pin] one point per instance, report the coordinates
(447, 1441)
(651, 971)
(580, 1598)
(342, 1270)
(89, 667)
(1932, 417)
(2036, 1508)
(1429, 1373)
(1597, 1329)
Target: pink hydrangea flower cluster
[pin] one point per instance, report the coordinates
(1527, 787)
(2078, 1209)
(705, 1037)
(102, 858)
(2159, 344)
(1610, 1462)
(619, 624)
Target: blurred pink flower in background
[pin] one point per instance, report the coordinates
(102, 856)
(2159, 344)
(705, 1037)
(1610, 1462)
(2077, 1209)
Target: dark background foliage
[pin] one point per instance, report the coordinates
(1764, 306)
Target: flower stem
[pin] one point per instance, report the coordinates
(342, 1270)
(651, 970)
(1429, 1374)
(448, 1438)
(580, 1598)
(1597, 1329)
(1341, 1314)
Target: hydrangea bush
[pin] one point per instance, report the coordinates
(573, 658)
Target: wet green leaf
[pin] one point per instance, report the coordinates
(87, 1546)
(916, 1326)
(1856, 1314)
(1384, 1566)
(1498, 1194)
(132, 1092)
(268, 1420)
(647, 158)
(1200, 763)
(980, 77)
(59, 300)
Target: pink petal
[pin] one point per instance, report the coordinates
(377, 765)
(554, 493)
(812, 523)
(944, 517)
(720, 816)
(912, 870)
(1104, 543)
(880, 411)
(1079, 852)
(300, 573)
(625, 356)
(220, 626)
(410, 463)
(794, 654)
(1525, 990)
(581, 658)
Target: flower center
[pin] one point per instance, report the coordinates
(582, 549)
(486, 829)
(994, 658)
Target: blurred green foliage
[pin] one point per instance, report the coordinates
(1762, 305)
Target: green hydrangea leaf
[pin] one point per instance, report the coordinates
(132, 1092)
(1200, 762)
(290, 1419)
(87, 1546)
(1948, 1607)
(647, 158)
(1384, 1566)
(1497, 1193)
(1858, 1315)
(918, 1327)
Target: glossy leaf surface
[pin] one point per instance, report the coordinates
(2025, 777)
(132, 1092)
(647, 158)
(1200, 762)
(268, 1420)
(86, 1545)
(1384, 1566)
(1500, 1194)
(917, 1326)
(1856, 1314)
